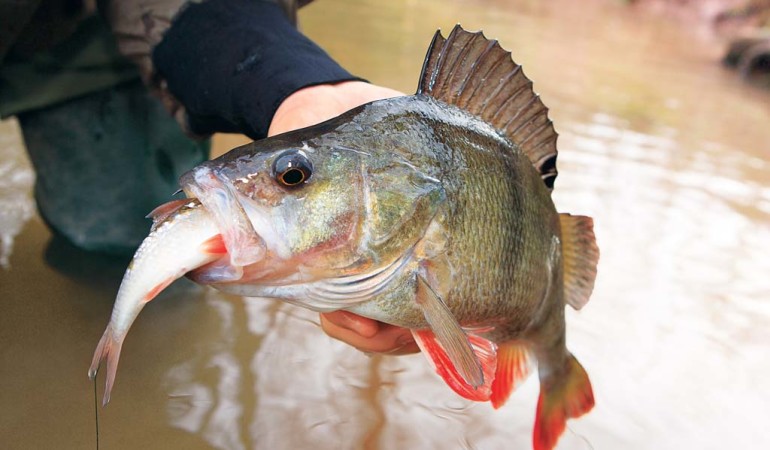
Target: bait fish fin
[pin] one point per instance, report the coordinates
(477, 75)
(108, 350)
(483, 349)
(215, 245)
(162, 212)
(580, 256)
(513, 368)
(449, 334)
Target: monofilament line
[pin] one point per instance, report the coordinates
(96, 415)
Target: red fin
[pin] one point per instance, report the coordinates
(484, 350)
(513, 367)
(563, 396)
(215, 245)
(449, 334)
(157, 289)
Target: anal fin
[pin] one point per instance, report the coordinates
(513, 367)
(484, 350)
(580, 256)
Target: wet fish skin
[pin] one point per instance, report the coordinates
(351, 217)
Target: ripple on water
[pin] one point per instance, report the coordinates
(678, 315)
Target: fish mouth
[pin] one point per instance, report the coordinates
(223, 202)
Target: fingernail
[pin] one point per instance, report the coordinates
(349, 323)
(404, 340)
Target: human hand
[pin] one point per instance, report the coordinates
(368, 335)
(315, 104)
(310, 106)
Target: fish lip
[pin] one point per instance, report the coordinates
(224, 203)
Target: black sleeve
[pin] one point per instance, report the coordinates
(232, 62)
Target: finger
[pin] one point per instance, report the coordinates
(405, 344)
(362, 325)
(388, 339)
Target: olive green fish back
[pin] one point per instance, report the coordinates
(477, 75)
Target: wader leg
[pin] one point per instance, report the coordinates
(105, 160)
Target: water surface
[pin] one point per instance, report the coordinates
(666, 150)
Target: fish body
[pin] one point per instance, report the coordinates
(482, 183)
(431, 212)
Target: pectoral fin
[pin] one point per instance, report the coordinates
(448, 333)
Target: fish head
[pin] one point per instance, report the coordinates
(319, 209)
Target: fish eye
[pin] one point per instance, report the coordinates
(292, 168)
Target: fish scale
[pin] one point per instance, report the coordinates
(485, 198)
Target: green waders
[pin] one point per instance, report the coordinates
(105, 152)
(103, 161)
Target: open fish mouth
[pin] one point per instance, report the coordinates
(220, 198)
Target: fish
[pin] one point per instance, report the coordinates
(431, 212)
(163, 257)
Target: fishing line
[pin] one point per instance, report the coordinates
(96, 415)
(581, 437)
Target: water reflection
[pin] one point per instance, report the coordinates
(666, 151)
(302, 390)
(211, 406)
(681, 316)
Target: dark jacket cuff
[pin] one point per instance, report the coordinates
(231, 64)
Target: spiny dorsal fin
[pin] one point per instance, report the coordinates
(474, 73)
(580, 255)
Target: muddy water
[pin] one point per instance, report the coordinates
(669, 153)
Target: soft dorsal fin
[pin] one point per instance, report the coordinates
(474, 73)
(580, 255)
